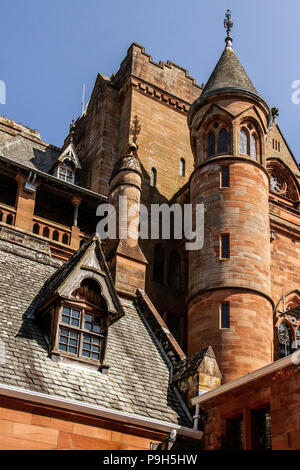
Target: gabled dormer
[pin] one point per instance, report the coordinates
(67, 164)
(77, 306)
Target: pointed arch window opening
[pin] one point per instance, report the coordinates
(284, 338)
(153, 178)
(253, 146)
(223, 141)
(182, 167)
(243, 142)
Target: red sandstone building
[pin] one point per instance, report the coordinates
(117, 344)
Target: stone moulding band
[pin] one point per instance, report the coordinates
(237, 288)
(235, 158)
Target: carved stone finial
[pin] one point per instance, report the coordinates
(130, 148)
(275, 112)
(228, 23)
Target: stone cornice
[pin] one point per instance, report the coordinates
(156, 94)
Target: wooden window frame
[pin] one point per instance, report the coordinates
(85, 308)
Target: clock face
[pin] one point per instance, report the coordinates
(275, 184)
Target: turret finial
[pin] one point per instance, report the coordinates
(228, 23)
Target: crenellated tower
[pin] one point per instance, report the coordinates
(229, 296)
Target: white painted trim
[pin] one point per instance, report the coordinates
(272, 367)
(99, 411)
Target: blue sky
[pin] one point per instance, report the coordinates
(51, 47)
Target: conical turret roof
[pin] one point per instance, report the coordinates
(228, 74)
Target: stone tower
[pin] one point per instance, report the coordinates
(229, 298)
(126, 260)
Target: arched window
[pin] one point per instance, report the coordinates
(243, 142)
(159, 264)
(9, 219)
(223, 141)
(174, 272)
(211, 144)
(55, 235)
(36, 229)
(65, 239)
(153, 178)
(284, 340)
(182, 167)
(253, 146)
(46, 232)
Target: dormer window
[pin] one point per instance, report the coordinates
(67, 164)
(66, 173)
(82, 324)
(81, 331)
(76, 307)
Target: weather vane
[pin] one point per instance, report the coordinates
(228, 23)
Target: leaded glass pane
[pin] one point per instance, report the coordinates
(253, 151)
(223, 141)
(284, 340)
(243, 142)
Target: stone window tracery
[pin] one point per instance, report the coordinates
(243, 147)
(282, 181)
(223, 141)
(284, 338)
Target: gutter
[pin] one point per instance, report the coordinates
(245, 379)
(99, 411)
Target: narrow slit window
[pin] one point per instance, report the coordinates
(182, 167)
(225, 317)
(225, 249)
(153, 178)
(225, 177)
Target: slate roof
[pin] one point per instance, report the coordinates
(138, 378)
(228, 73)
(30, 153)
(187, 367)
